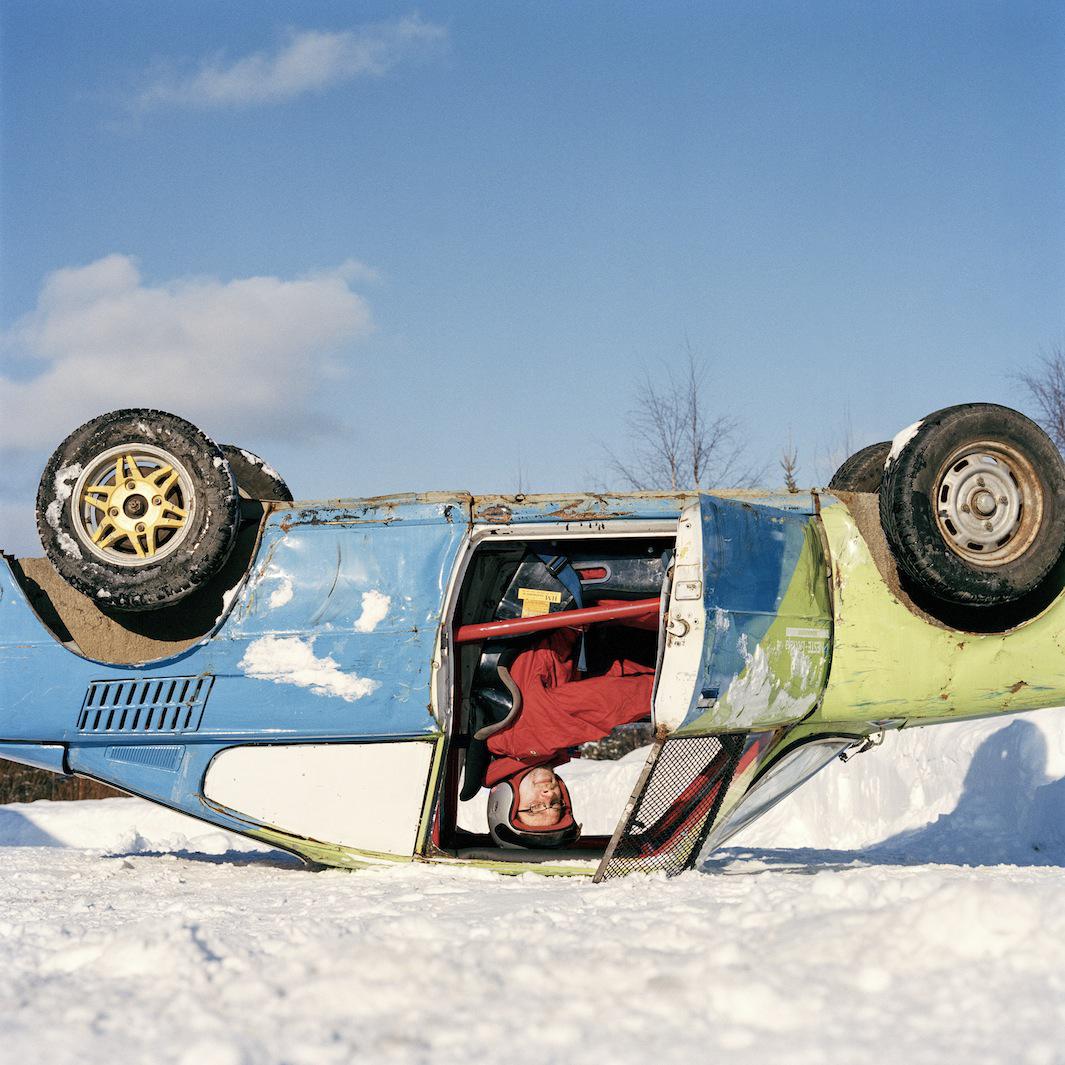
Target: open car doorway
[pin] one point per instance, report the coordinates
(590, 718)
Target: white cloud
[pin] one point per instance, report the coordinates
(308, 61)
(235, 353)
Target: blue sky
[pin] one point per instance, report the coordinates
(395, 248)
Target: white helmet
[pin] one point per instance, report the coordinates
(509, 831)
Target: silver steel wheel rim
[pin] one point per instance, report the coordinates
(988, 503)
(157, 484)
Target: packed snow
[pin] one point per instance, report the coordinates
(291, 660)
(906, 905)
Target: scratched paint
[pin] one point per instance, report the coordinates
(346, 656)
(766, 654)
(591, 507)
(888, 662)
(578, 507)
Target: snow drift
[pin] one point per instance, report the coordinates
(905, 905)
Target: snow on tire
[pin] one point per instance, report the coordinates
(137, 508)
(256, 479)
(973, 505)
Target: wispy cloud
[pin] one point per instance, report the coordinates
(238, 353)
(308, 61)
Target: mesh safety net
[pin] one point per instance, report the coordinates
(673, 806)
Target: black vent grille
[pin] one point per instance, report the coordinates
(147, 707)
(673, 806)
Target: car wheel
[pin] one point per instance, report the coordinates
(137, 508)
(255, 479)
(863, 471)
(973, 504)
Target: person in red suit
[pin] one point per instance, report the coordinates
(529, 805)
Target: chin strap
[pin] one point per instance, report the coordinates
(507, 835)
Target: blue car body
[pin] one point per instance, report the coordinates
(330, 676)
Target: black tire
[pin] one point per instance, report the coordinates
(255, 479)
(152, 538)
(973, 506)
(863, 471)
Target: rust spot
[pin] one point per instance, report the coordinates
(496, 513)
(945, 696)
(341, 518)
(1014, 688)
(585, 515)
(373, 510)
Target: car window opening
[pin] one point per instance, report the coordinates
(585, 689)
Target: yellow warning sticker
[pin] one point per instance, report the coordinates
(535, 601)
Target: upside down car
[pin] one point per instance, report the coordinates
(327, 676)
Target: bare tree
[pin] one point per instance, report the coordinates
(1045, 386)
(675, 442)
(789, 463)
(828, 457)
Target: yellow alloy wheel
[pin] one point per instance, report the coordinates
(133, 505)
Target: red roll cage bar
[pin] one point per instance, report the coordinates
(564, 619)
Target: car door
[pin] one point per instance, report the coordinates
(747, 632)
(308, 715)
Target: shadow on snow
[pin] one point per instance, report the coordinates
(18, 830)
(1009, 813)
(272, 859)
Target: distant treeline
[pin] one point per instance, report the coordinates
(20, 783)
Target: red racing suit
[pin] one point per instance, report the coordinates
(559, 710)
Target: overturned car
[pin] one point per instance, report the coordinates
(331, 677)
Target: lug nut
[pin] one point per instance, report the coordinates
(965, 508)
(157, 501)
(130, 485)
(140, 526)
(988, 526)
(113, 512)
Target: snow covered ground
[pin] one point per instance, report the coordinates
(909, 905)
